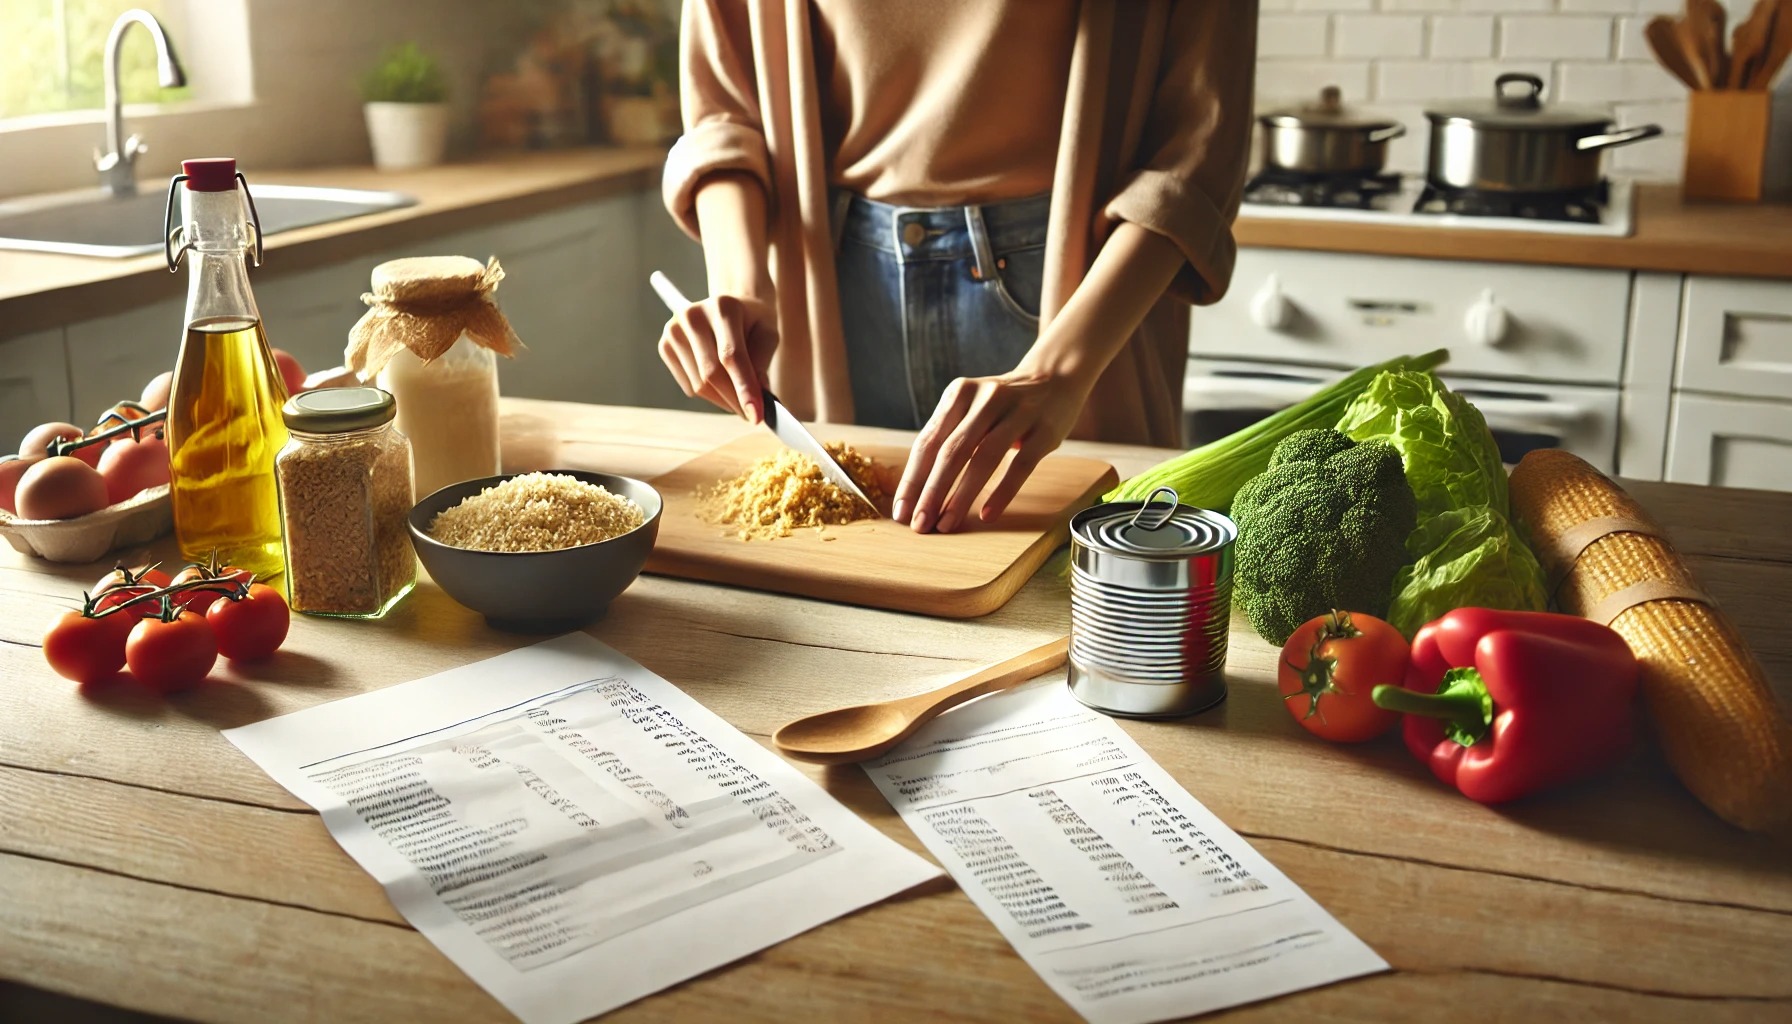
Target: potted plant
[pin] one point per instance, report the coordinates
(407, 116)
(636, 58)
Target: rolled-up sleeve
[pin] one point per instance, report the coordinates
(723, 130)
(1194, 147)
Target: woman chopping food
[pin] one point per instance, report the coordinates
(983, 220)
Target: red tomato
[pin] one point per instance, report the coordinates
(147, 575)
(1328, 668)
(290, 371)
(87, 649)
(250, 628)
(201, 599)
(133, 466)
(171, 655)
(122, 584)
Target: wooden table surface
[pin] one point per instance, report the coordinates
(145, 863)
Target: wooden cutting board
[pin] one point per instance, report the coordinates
(875, 563)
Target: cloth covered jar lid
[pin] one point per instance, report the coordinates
(425, 304)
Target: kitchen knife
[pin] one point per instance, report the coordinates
(780, 419)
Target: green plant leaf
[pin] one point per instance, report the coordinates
(405, 74)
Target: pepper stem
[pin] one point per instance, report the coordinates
(1461, 701)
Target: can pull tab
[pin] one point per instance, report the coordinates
(1144, 516)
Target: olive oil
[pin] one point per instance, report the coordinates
(224, 429)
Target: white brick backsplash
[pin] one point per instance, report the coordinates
(1457, 36)
(1284, 81)
(1292, 35)
(1555, 36)
(1378, 35)
(1400, 56)
(1606, 82)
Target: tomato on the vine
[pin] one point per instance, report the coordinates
(86, 649)
(122, 584)
(201, 599)
(250, 627)
(173, 653)
(1328, 668)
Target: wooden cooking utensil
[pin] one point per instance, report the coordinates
(1692, 46)
(849, 735)
(1707, 18)
(1664, 40)
(1778, 48)
(1747, 43)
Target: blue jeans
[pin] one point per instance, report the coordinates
(930, 295)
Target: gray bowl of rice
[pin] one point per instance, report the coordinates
(537, 552)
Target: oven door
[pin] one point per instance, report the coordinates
(1220, 397)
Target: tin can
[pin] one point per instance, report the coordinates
(1150, 606)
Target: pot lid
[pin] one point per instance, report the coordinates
(1519, 107)
(1328, 111)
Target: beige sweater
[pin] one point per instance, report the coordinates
(1156, 128)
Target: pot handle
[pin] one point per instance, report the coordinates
(1618, 138)
(1385, 134)
(1530, 100)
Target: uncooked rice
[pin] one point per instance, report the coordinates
(536, 512)
(783, 492)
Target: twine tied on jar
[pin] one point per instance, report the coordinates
(425, 304)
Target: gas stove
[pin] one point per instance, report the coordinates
(1410, 201)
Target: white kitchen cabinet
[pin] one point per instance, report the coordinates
(1730, 442)
(111, 358)
(1648, 376)
(1736, 337)
(33, 384)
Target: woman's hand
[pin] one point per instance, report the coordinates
(720, 350)
(978, 421)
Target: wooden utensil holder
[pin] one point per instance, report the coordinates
(1726, 145)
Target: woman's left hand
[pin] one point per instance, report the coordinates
(978, 421)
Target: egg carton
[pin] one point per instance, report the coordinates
(137, 520)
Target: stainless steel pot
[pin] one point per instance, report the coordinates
(1324, 138)
(1514, 143)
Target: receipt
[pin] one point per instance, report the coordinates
(1129, 898)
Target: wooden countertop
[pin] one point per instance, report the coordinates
(1685, 238)
(145, 863)
(43, 290)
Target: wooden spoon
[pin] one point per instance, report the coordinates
(1664, 40)
(1747, 43)
(1707, 18)
(1778, 48)
(848, 735)
(1693, 48)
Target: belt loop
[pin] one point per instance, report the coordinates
(842, 201)
(986, 260)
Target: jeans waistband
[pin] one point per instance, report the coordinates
(942, 233)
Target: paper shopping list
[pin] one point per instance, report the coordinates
(1129, 898)
(573, 831)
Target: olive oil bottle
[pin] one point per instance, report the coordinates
(224, 424)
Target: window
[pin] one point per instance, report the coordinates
(52, 52)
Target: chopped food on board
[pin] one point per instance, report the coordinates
(787, 491)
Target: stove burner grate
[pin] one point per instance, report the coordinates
(1348, 192)
(1581, 206)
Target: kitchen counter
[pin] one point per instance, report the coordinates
(145, 863)
(1741, 240)
(43, 290)
(39, 290)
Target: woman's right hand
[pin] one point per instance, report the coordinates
(720, 350)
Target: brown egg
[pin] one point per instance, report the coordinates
(37, 442)
(60, 487)
(11, 468)
(155, 393)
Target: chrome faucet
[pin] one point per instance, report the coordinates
(118, 168)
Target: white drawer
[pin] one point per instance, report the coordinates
(1730, 442)
(1335, 309)
(1736, 337)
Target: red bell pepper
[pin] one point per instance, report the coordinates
(1501, 704)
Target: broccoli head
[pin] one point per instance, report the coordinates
(1324, 527)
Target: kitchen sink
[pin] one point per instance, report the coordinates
(93, 223)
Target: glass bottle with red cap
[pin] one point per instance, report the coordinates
(224, 425)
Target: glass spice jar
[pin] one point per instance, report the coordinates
(345, 497)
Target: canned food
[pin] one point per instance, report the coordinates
(1150, 606)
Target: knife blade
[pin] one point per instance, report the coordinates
(783, 423)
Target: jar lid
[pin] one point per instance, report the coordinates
(424, 279)
(1328, 111)
(1518, 108)
(338, 410)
